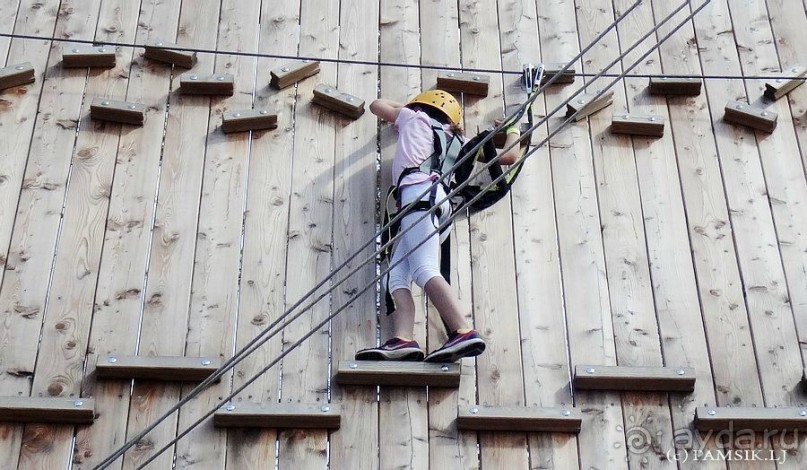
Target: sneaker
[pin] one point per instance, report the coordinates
(459, 345)
(395, 349)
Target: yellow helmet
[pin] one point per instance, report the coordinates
(442, 101)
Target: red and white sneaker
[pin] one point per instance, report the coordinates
(395, 349)
(459, 345)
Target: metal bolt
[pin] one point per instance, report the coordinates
(159, 44)
(477, 78)
(112, 360)
(663, 78)
(626, 116)
(444, 368)
(778, 80)
(350, 98)
(103, 49)
(803, 413)
(680, 372)
(131, 106)
(652, 119)
(19, 67)
(284, 69)
(590, 370)
(230, 408)
(236, 114)
(581, 101)
(711, 412)
(205, 362)
(76, 50)
(794, 69)
(474, 409)
(263, 111)
(105, 103)
(353, 365)
(78, 403)
(565, 412)
(328, 90)
(450, 74)
(194, 77)
(325, 408)
(220, 78)
(764, 113)
(739, 106)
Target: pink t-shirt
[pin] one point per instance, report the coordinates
(415, 144)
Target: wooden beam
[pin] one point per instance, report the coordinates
(166, 368)
(221, 84)
(16, 75)
(118, 111)
(780, 87)
(293, 72)
(709, 418)
(285, 415)
(518, 419)
(472, 83)
(634, 124)
(99, 56)
(47, 410)
(406, 374)
(500, 138)
(333, 99)
(587, 104)
(675, 86)
(162, 52)
(660, 379)
(746, 115)
(248, 120)
(550, 70)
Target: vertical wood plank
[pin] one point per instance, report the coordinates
(500, 379)
(265, 234)
(8, 17)
(214, 292)
(26, 254)
(310, 231)
(537, 262)
(355, 182)
(173, 243)
(118, 302)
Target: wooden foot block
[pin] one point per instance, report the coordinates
(398, 373)
(675, 86)
(746, 115)
(634, 124)
(166, 368)
(221, 84)
(285, 415)
(47, 410)
(293, 72)
(248, 120)
(586, 105)
(708, 418)
(118, 111)
(162, 52)
(99, 56)
(518, 419)
(780, 87)
(550, 70)
(660, 379)
(472, 83)
(333, 99)
(16, 75)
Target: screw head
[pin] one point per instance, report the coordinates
(565, 412)
(131, 106)
(325, 408)
(764, 113)
(590, 370)
(78, 403)
(794, 69)
(778, 80)
(105, 103)
(581, 101)
(284, 69)
(236, 114)
(353, 365)
(328, 90)
(474, 409)
(626, 116)
(19, 67)
(112, 360)
(194, 77)
(477, 78)
(103, 49)
(350, 98)
(263, 111)
(159, 44)
(739, 106)
(205, 362)
(711, 412)
(444, 368)
(220, 78)
(451, 74)
(802, 412)
(76, 50)
(652, 119)
(663, 78)
(680, 372)
(230, 408)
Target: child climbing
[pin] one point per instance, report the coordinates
(414, 124)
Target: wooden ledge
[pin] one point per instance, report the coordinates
(292, 72)
(472, 83)
(744, 114)
(166, 368)
(550, 70)
(162, 52)
(710, 418)
(98, 56)
(780, 87)
(248, 120)
(398, 373)
(635, 124)
(335, 100)
(288, 415)
(16, 75)
(518, 419)
(646, 379)
(675, 86)
(55, 410)
(588, 104)
(118, 111)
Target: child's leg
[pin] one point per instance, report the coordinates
(446, 302)
(403, 319)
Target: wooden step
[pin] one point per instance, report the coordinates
(744, 114)
(635, 124)
(98, 56)
(398, 373)
(781, 87)
(164, 368)
(55, 410)
(335, 100)
(162, 52)
(286, 415)
(656, 379)
(472, 83)
(675, 86)
(711, 418)
(16, 75)
(118, 111)
(518, 419)
(588, 104)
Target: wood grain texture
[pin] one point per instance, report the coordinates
(8, 17)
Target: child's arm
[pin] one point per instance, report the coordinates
(386, 109)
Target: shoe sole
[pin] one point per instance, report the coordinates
(475, 348)
(399, 355)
